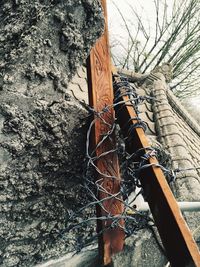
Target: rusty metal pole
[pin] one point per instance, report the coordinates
(100, 95)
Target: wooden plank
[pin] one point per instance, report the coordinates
(177, 239)
(100, 95)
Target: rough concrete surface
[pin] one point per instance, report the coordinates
(140, 250)
(42, 129)
(88, 258)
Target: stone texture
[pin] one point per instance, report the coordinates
(42, 128)
(88, 258)
(140, 250)
(40, 178)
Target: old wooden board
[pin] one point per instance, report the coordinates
(177, 239)
(101, 95)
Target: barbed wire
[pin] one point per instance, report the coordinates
(132, 165)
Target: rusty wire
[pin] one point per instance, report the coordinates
(132, 167)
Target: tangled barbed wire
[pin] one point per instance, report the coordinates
(130, 186)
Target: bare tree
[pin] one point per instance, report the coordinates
(172, 37)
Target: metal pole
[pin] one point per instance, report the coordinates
(184, 206)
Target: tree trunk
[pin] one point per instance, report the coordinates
(41, 128)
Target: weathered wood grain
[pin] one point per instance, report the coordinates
(101, 95)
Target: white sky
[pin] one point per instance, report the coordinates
(113, 14)
(145, 8)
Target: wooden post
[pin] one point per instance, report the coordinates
(177, 239)
(101, 95)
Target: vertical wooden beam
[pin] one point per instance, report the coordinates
(100, 95)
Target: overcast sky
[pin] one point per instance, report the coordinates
(145, 8)
(117, 31)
